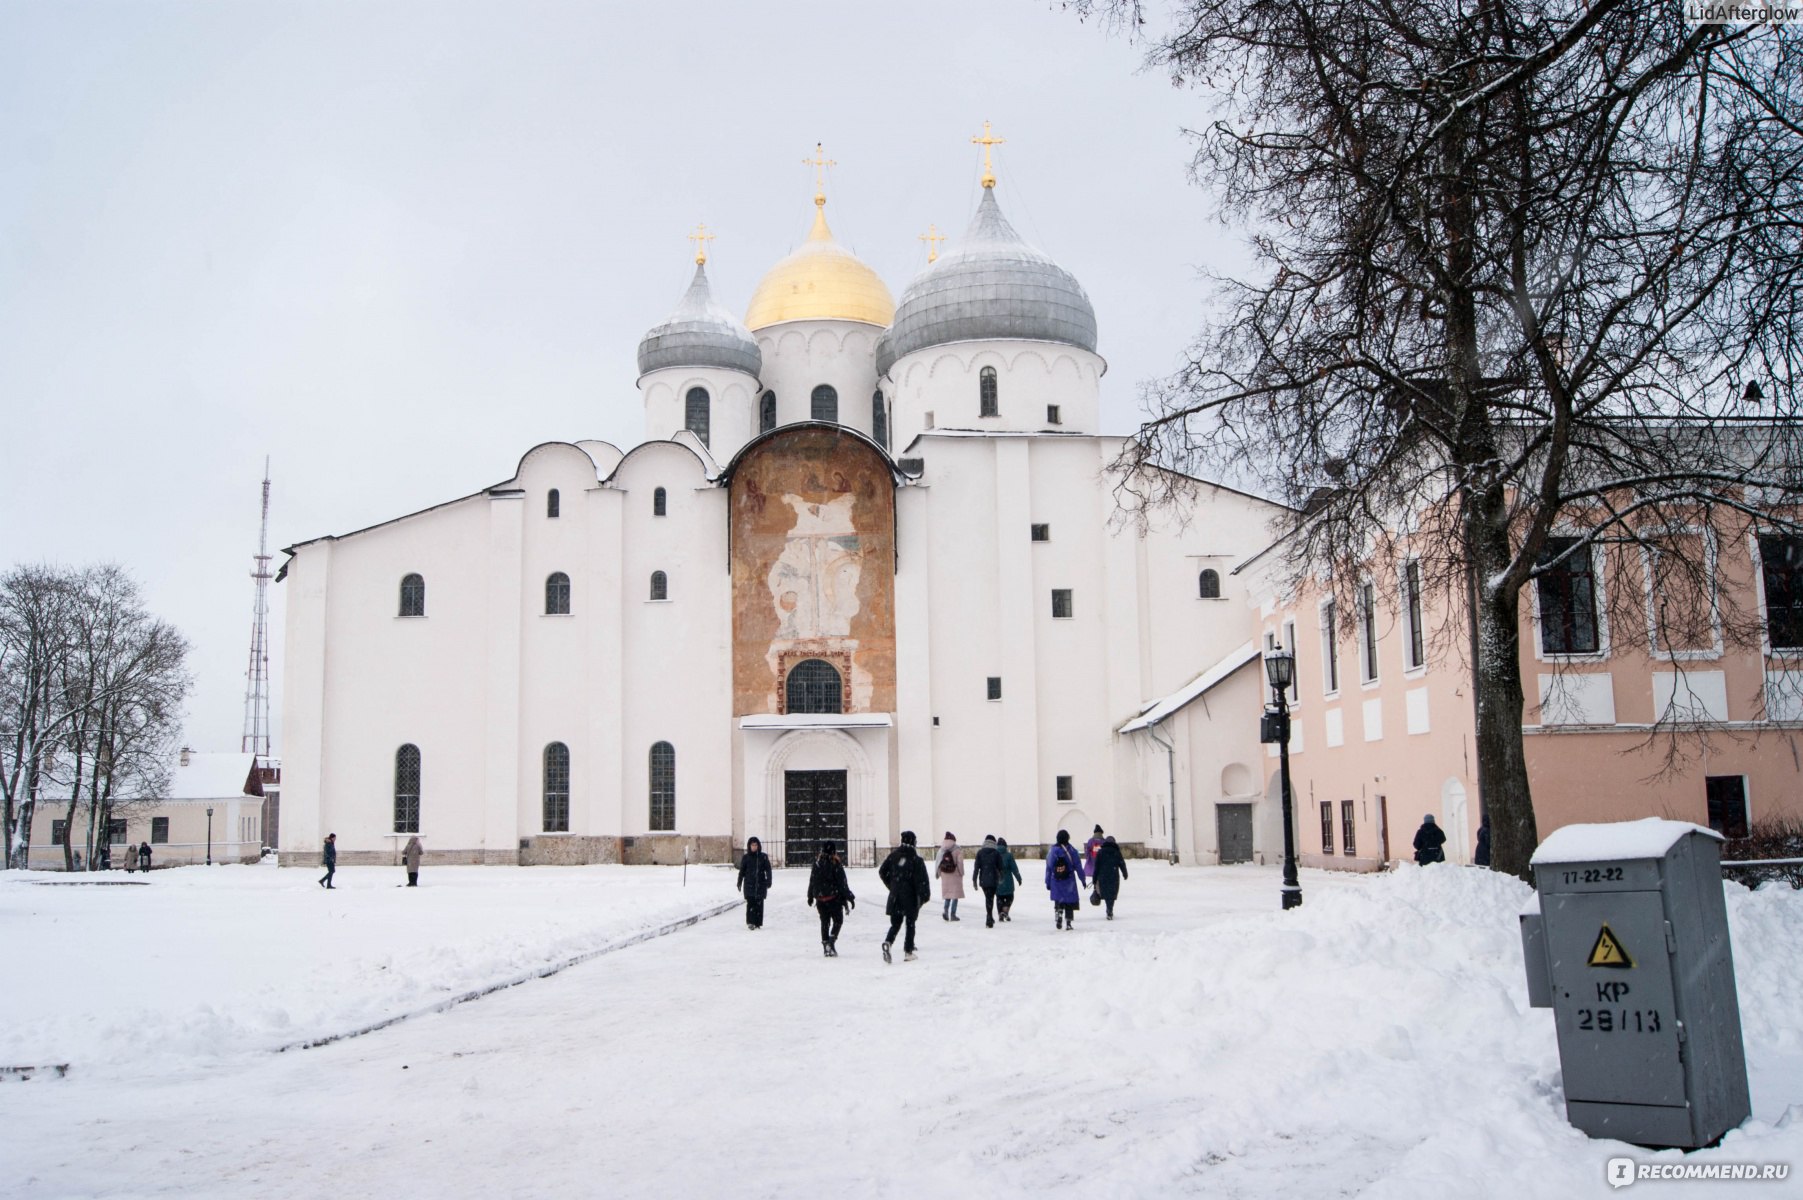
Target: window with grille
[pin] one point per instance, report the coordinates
(813, 686)
(660, 503)
(1327, 827)
(553, 503)
(1567, 594)
(1781, 570)
(695, 413)
(115, 831)
(1368, 632)
(406, 789)
(1061, 603)
(995, 687)
(1042, 533)
(660, 586)
(1347, 842)
(1411, 610)
(1066, 791)
(1208, 584)
(824, 403)
(159, 830)
(879, 421)
(1330, 647)
(413, 596)
(989, 403)
(59, 832)
(557, 788)
(557, 594)
(663, 787)
(1053, 415)
(767, 412)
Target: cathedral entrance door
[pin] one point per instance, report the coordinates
(814, 811)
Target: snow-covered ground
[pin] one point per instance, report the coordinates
(1376, 1042)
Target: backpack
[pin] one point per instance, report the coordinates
(1061, 863)
(947, 864)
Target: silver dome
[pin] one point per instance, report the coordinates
(700, 333)
(994, 286)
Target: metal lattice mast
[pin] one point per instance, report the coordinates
(256, 676)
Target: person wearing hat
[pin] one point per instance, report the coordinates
(987, 873)
(951, 876)
(1428, 842)
(1110, 869)
(830, 895)
(1063, 872)
(1006, 876)
(754, 882)
(329, 856)
(904, 873)
(1090, 848)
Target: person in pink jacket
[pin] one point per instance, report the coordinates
(951, 876)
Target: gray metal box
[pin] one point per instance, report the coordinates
(1630, 950)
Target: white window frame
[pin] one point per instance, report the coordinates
(1369, 640)
(1788, 654)
(1327, 617)
(1412, 670)
(1598, 560)
(1650, 595)
(1289, 634)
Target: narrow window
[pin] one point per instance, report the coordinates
(1567, 590)
(1208, 584)
(413, 596)
(660, 586)
(663, 787)
(557, 788)
(1289, 639)
(59, 832)
(695, 413)
(1727, 798)
(1066, 792)
(1327, 826)
(552, 504)
(1781, 570)
(1346, 839)
(115, 831)
(1368, 632)
(1330, 646)
(1061, 603)
(995, 687)
(813, 686)
(659, 503)
(159, 830)
(990, 404)
(1042, 533)
(406, 789)
(1411, 607)
(767, 412)
(1053, 415)
(928, 422)
(557, 595)
(825, 403)
(879, 421)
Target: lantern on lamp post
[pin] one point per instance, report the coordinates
(1280, 669)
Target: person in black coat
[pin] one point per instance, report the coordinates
(904, 873)
(754, 882)
(988, 874)
(1111, 868)
(144, 856)
(1482, 857)
(1428, 840)
(830, 894)
(328, 856)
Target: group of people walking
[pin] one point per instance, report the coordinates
(904, 873)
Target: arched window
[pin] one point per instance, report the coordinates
(879, 421)
(1208, 584)
(826, 403)
(551, 503)
(659, 503)
(406, 789)
(695, 413)
(813, 687)
(660, 586)
(557, 594)
(413, 596)
(557, 788)
(663, 787)
(767, 412)
(986, 393)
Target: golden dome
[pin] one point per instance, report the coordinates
(822, 281)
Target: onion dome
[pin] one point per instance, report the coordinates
(700, 333)
(994, 286)
(822, 281)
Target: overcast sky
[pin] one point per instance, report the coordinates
(395, 245)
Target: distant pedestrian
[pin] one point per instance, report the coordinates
(830, 894)
(1110, 869)
(987, 873)
(131, 859)
(1006, 876)
(1063, 872)
(951, 876)
(1090, 848)
(103, 857)
(904, 873)
(329, 856)
(1428, 840)
(1482, 857)
(143, 856)
(78, 860)
(411, 856)
(754, 882)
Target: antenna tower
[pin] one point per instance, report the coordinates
(256, 688)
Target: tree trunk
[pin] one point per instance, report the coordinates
(1502, 768)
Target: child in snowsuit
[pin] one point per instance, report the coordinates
(830, 894)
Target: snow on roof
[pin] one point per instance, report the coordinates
(210, 776)
(1158, 710)
(815, 721)
(1649, 837)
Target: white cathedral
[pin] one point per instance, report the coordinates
(866, 573)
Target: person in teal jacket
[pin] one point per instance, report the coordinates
(1005, 879)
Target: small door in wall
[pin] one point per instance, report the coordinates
(1233, 832)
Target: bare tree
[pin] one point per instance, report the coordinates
(1528, 284)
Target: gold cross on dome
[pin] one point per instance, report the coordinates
(932, 237)
(820, 162)
(986, 141)
(701, 237)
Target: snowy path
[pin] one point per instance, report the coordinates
(1375, 1043)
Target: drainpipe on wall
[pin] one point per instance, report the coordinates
(1170, 758)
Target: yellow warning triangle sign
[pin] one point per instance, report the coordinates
(1608, 951)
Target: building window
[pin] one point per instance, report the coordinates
(1567, 590)
(557, 595)
(1054, 415)
(660, 503)
(1327, 826)
(1042, 533)
(553, 504)
(695, 413)
(1289, 639)
(1061, 603)
(989, 403)
(406, 789)
(1330, 646)
(767, 412)
(115, 831)
(557, 788)
(660, 586)
(59, 832)
(413, 596)
(995, 687)
(1781, 569)
(879, 421)
(1208, 584)
(1347, 843)
(1067, 793)
(825, 404)
(159, 830)
(1368, 633)
(663, 787)
(1727, 795)
(813, 686)
(1416, 646)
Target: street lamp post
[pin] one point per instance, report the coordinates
(1286, 779)
(1280, 668)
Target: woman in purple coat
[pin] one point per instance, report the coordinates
(1063, 873)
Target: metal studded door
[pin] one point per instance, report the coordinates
(1233, 832)
(814, 811)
